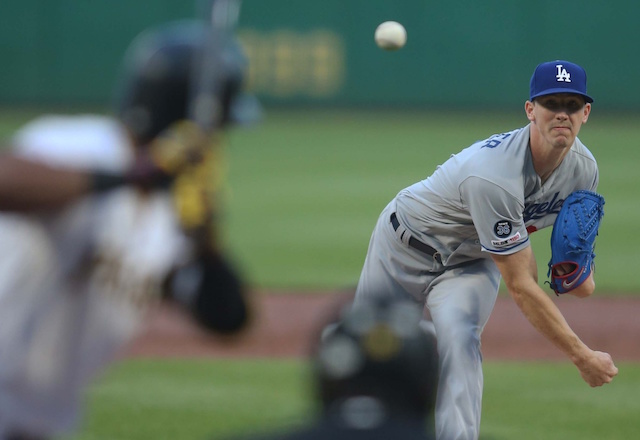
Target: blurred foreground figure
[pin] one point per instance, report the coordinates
(376, 376)
(101, 218)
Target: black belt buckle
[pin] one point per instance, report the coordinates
(414, 243)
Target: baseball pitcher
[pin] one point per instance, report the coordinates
(447, 241)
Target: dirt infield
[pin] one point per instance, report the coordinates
(284, 324)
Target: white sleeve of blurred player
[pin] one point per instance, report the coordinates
(74, 285)
(78, 142)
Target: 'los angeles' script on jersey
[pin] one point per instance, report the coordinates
(536, 211)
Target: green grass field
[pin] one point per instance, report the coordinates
(304, 191)
(214, 399)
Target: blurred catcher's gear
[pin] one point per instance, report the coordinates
(379, 349)
(184, 70)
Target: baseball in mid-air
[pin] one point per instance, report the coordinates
(390, 35)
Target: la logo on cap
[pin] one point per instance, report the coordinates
(558, 76)
(563, 75)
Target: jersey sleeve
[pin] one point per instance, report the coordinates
(78, 142)
(496, 215)
(596, 180)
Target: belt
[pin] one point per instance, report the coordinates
(416, 244)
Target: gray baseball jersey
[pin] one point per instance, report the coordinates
(489, 198)
(485, 199)
(74, 285)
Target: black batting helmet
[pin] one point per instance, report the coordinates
(379, 349)
(182, 70)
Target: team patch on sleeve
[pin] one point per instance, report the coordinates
(503, 230)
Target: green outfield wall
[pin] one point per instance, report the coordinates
(458, 54)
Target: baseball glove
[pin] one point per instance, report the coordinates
(573, 240)
(212, 289)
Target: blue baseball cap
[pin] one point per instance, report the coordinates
(559, 77)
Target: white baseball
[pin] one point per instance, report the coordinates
(390, 35)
